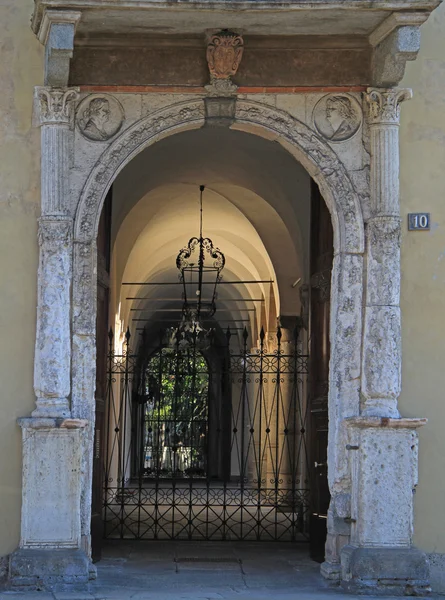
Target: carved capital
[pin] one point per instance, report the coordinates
(56, 105)
(384, 105)
(55, 233)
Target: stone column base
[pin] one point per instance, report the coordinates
(49, 569)
(330, 570)
(385, 571)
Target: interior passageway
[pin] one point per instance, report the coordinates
(208, 441)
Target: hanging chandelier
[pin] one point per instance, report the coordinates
(200, 265)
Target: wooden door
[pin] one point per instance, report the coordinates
(321, 256)
(103, 278)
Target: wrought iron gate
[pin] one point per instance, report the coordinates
(207, 443)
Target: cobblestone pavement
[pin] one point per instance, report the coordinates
(201, 571)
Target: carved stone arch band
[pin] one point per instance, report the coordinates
(315, 155)
(323, 164)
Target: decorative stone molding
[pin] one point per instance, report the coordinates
(382, 358)
(344, 400)
(84, 288)
(346, 309)
(333, 179)
(383, 261)
(83, 407)
(121, 151)
(221, 88)
(53, 336)
(54, 233)
(56, 105)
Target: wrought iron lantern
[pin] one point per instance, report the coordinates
(200, 265)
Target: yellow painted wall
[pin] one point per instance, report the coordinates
(423, 275)
(20, 69)
(423, 261)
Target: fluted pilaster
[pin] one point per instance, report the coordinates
(52, 361)
(382, 333)
(56, 116)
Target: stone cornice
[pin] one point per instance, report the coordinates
(395, 20)
(56, 16)
(358, 6)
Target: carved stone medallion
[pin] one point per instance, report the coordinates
(337, 117)
(99, 117)
(224, 53)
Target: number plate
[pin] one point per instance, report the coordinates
(418, 221)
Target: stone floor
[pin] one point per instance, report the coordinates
(201, 571)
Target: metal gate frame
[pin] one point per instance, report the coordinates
(255, 484)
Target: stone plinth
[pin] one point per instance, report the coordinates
(380, 556)
(49, 550)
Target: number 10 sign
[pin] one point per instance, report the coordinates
(418, 221)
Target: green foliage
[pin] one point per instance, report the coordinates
(176, 410)
(177, 386)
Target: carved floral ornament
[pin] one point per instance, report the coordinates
(56, 104)
(384, 105)
(55, 232)
(224, 53)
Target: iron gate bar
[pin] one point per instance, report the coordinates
(180, 299)
(166, 320)
(179, 310)
(231, 329)
(238, 470)
(204, 282)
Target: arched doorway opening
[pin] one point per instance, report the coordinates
(266, 420)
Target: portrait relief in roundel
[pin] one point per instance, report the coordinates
(337, 117)
(99, 117)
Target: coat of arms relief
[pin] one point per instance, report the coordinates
(224, 54)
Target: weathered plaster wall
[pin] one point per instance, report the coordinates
(423, 275)
(20, 69)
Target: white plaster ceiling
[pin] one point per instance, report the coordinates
(256, 210)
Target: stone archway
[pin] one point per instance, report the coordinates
(344, 204)
(372, 460)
